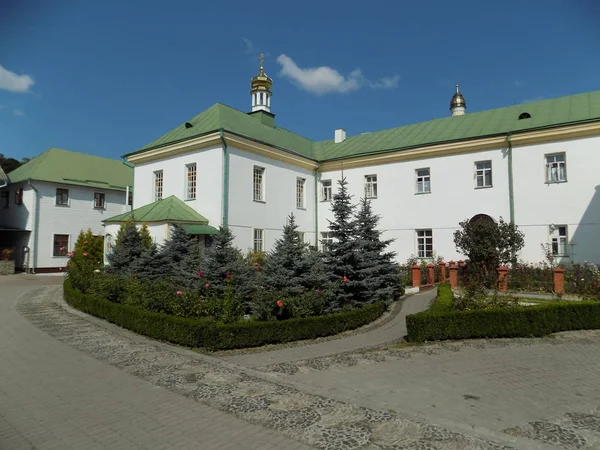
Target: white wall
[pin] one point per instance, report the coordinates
(79, 215)
(159, 232)
(453, 198)
(575, 203)
(209, 181)
(18, 216)
(280, 200)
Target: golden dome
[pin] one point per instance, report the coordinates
(457, 100)
(261, 82)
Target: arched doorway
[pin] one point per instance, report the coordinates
(482, 217)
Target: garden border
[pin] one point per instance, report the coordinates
(206, 334)
(440, 323)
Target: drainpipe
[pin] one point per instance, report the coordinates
(34, 229)
(225, 199)
(316, 211)
(511, 190)
(127, 163)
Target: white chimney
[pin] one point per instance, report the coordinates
(340, 135)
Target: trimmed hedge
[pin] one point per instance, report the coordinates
(210, 335)
(520, 321)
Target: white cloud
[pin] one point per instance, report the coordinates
(325, 80)
(250, 47)
(18, 112)
(13, 82)
(386, 82)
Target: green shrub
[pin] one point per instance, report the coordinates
(444, 300)
(86, 257)
(257, 333)
(515, 321)
(195, 332)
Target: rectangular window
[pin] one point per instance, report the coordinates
(259, 184)
(326, 240)
(258, 240)
(300, 192)
(556, 168)
(191, 181)
(5, 198)
(559, 240)
(423, 181)
(483, 174)
(62, 197)
(301, 235)
(424, 243)
(130, 198)
(158, 185)
(370, 186)
(61, 245)
(326, 195)
(19, 196)
(99, 200)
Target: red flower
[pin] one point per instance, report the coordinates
(207, 285)
(279, 303)
(179, 292)
(85, 254)
(345, 279)
(200, 273)
(227, 276)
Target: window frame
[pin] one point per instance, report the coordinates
(425, 237)
(300, 193)
(62, 195)
(158, 184)
(98, 195)
(326, 197)
(326, 239)
(259, 187)
(19, 196)
(191, 181)
(371, 186)
(547, 166)
(56, 249)
(422, 179)
(260, 240)
(483, 174)
(555, 237)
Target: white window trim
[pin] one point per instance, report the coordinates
(63, 205)
(155, 187)
(187, 187)
(373, 186)
(553, 233)
(300, 199)
(491, 185)
(103, 201)
(323, 199)
(417, 192)
(424, 243)
(263, 198)
(67, 250)
(262, 239)
(546, 156)
(328, 238)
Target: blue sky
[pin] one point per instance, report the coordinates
(108, 77)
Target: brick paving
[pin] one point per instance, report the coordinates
(53, 396)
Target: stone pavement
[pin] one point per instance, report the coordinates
(391, 331)
(53, 396)
(83, 378)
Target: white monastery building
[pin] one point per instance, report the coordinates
(534, 164)
(47, 202)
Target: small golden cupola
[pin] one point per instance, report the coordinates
(261, 89)
(458, 105)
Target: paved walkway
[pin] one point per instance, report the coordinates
(53, 396)
(391, 331)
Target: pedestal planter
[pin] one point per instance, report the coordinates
(7, 267)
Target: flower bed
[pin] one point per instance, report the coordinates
(214, 336)
(442, 322)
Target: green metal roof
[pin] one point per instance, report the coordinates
(66, 167)
(170, 209)
(199, 229)
(544, 114)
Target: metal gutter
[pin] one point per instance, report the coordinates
(32, 257)
(225, 198)
(511, 191)
(316, 210)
